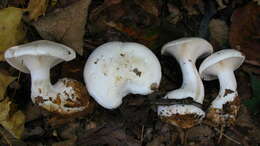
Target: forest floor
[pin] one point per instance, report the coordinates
(225, 24)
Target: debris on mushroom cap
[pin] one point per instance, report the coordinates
(116, 69)
(65, 97)
(221, 65)
(186, 51)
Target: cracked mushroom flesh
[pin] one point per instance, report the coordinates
(186, 51)
(116, 69)
(67, 96)
(221, 65)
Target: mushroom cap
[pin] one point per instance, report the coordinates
(228, 58)
(55, 50)
(115, 69)
(192, 47)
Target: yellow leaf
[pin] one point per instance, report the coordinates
(13, 122)
(4, 109)
(5, 80)
(11, 32)
(36, 8)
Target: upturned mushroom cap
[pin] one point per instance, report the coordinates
(228, 58)
(192, 47)
(116, 69)
(56, 52)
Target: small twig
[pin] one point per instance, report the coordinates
(228, 137)
(142, 134)
(18, 79)
(185, 101)
(221, 134)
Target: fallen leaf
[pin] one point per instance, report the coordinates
(245, 33)
(257, 1)
(106, 135)
(5, 80)
(144, 36)
(65, 25)
(15, 124)
(150, 6)
(36, 8)
(11, 31)
(12, 121)
(190, 6)
(218, 33)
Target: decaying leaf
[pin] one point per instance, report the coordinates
(190, 6)
(5, 80)
(65, 25)
(144, 36)
(36, 8)
(11, 31)
(218, 33)
(258, 2)
(150, 6)
(12, 121)
(244, 32)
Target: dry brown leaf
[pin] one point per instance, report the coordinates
(143, 36)
(5, 80)
(36, 8)
(13, 122)
(150, 6)
(257, 1)
(218, 33)
(190, 5)
(65, 25)
(11, 31)
(244, 32)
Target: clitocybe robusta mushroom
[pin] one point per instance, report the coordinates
(116, 69)
(221, 65)
(67, 96)
(186, 51)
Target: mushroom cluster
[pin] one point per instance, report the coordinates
(224, 108)
(116, 69)
(67, 96)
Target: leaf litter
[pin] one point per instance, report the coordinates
(150, 23)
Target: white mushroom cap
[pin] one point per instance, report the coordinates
(116, 69)
(212, 65)
(56, 51)
(191, 47)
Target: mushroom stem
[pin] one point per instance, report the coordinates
(228, 87)
(40, 77)
(192, 84)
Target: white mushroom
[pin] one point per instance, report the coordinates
(186, 51)
(116, 69)
(221, 65)
(67, 96)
